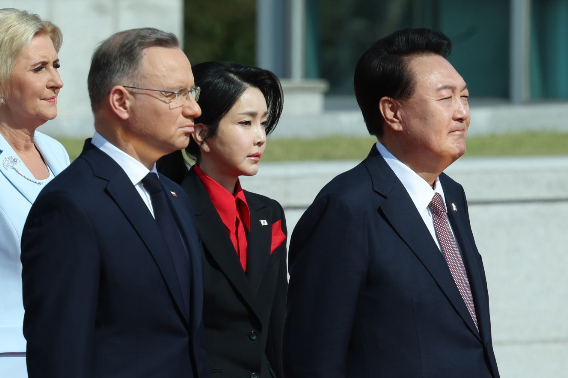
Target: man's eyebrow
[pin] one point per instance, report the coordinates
(451, 87)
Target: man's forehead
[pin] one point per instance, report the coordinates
(162, 56)
(435, 72)
(161, 63)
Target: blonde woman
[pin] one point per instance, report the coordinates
(29, 86)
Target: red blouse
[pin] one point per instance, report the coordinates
(235, 214)
(233, 210)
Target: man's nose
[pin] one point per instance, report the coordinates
(191, 108)
(461, 112)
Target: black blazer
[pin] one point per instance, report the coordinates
(101, 293)
(243, 314)
(371, 294)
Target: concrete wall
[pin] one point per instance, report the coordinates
(518, 209)
(85, 23)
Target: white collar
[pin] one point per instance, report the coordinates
(419, 190)
(134, 169)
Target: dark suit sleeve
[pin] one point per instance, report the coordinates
(274, 343)
(328, 268)
(61, 266)
(200, 351)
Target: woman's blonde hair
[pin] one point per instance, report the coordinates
(17, 28)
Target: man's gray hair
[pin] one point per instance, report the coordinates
(116, 60)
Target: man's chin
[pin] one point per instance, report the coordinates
(459, 148)
(459, 154)
(182, 143)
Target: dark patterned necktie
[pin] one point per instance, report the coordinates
(452, 253)
(170, 229)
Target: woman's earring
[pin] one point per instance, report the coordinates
(2, 102)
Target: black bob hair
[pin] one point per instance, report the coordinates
(382, 71)
(221, 86)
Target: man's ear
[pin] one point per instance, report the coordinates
(120, 101)
(390, 110)
(199, 133)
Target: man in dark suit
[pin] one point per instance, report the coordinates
(385, 277)
(112, 263)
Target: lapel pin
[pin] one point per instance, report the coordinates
(263, 222)
(454, 207)
(174, 194)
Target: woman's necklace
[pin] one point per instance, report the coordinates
(11, 162)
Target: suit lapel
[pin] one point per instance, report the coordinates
(459, 224)
(215, 238)
(258, 240)
(120, 188)
(399, 209)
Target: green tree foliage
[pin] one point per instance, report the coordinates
(220, 30)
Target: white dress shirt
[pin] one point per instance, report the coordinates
(135, 170)
(419, 190)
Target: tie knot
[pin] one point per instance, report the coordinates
(437, 205)
(152, 183)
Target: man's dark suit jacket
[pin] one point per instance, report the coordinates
(243, 314)
(101, 293)
(371, 294)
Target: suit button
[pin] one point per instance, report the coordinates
(252, 336)
(254, 375)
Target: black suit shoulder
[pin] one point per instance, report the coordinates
(76, 180)
(260, 201)
(261, 198)
(348, 199)
(347, 184)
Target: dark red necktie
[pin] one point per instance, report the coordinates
(452, 253)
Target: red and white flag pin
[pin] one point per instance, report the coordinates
(174, 194)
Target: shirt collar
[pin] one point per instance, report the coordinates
(226, 203)
(134, 169)
(419, 190)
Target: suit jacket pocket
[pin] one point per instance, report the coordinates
(213, 373)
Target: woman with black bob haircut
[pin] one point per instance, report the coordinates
(243, 233)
